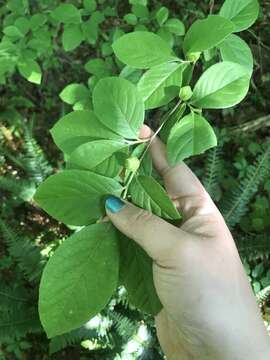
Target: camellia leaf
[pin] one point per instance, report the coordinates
(75, 197)
(136, 274)
(243, 13)
(72, 37)
(221, 86)
(79, 279)
(154, 84)
(192, 135)
(207, 33)
(150, 195)
(79, 127)
(30, 70)
(73, 93)
(119, 106)
(93, 153)
(142, 49)
(175, 26)
(235, 49)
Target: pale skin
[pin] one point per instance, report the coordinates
(209, 310)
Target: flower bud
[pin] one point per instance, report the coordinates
(132, 163)
(193, 56)
(185, 93)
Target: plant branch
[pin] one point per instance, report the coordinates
(254, 125)
(150, 141)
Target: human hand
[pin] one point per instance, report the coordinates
(209, 311)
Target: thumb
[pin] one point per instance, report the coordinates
(156, 236)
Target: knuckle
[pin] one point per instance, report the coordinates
(142, 216)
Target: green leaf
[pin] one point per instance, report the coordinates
(175, 26)
(150, 195)
(67, 13)
(243, 13)
(222, 85)
(79, 127)
(119, 106)
(90, 31)
(142, 49)
(30, 70)
(23, 24)
(79, 279)
(136, 274)
(172, 120)
(162, 15)
(192, 135)
(155, 82)
(235, 49)
(140, 11)
(37, 20)
(72, 37)
(73, 93)
(75, 197)
(131, 19)
(166, 35)
(112, 166)
(97, 67)
(93, 153)
(207, 33)
(12, 31)
(90, 5)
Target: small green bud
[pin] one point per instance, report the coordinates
(193, 56)
(132, 163)
(185, 93)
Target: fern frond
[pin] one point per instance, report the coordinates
(22, 189)
(263, 295)
(212, 169)
(18, 322)
(235, 203)
(11, 298)
(125, 327)
(73, 337)
(26, 254)
(35, 162)
(254, 247)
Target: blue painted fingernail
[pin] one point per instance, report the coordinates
(114, 204)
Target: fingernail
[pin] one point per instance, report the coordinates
(114, 204)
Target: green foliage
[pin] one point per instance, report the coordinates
(119, 106)
(25, 253)
(193, 135)
(242, 13)
(160, 84)
(79, 268)
(142, 50)
(148, 194)
(222, 85)
(235, 49)
(95, 159)
(201, 37)
(234, 204)
(110, 61)
(79, 195)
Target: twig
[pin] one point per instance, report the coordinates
(166, 117)
(254, 125)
